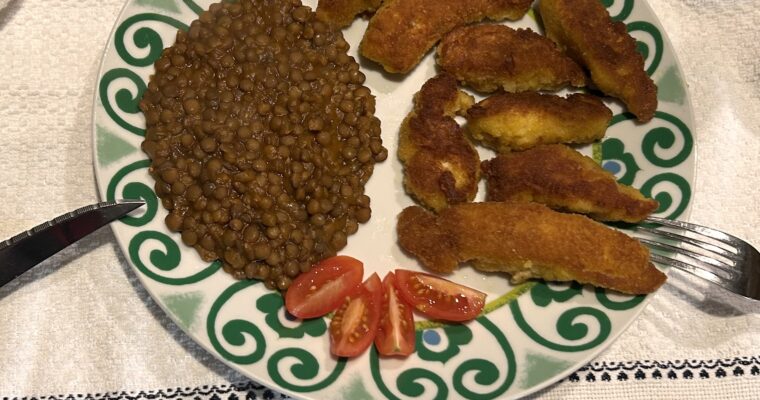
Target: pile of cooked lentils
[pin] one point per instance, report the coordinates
(261, 137)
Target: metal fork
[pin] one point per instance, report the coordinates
(728, 261)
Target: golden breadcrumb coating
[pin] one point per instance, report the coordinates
(489, 57)
(516, 121)
(564, 179)
(340, 13)
(527, 240)
(588, 34)
(441, 166)
(402, 31)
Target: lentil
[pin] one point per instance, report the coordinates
(261, 137)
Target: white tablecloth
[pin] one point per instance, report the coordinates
(82, 325)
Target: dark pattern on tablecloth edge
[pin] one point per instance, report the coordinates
(236, 391)
(671, 370)
(594, 372)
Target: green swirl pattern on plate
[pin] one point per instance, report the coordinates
(134, 190)
(625, 8)
(306, 369)
(525, 327)
(542, 295)
(601, 296)
(143, 37)
(237, 331)
(166, 260)
(456, 351)
(652, 59)
(125, 99)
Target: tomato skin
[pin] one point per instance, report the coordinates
(323, 288)
(395, 333)
(353, 327)
(439, 298)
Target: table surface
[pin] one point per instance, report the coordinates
(81, 324)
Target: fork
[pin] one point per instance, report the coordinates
(728, 261)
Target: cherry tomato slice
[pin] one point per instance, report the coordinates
(439, 298)
(353, 327)
(324, 287)
(395, 334)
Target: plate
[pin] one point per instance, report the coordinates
(533, 335)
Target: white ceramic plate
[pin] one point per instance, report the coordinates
(533, 334)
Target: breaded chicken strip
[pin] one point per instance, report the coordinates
(527, 240)
(564, 179)
(441, 166)
(588, 34)
(516, 121)
(489, 57)
(340, 13)
(402, 31)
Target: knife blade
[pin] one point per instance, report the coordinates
(27, 249)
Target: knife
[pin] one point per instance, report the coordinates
(27, 249)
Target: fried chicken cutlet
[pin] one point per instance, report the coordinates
(588, 34)
(441, 166)
(516, 121)
(564, 179)
(489, 57)
(402, 31)
(527, 240)
(340, 13)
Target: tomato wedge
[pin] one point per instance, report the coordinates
(353, 327)
(324, 287)
(395, 334)
(439, 298)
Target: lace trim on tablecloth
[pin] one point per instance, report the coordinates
(594, 372)
(677, 369)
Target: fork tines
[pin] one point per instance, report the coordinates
(705, 252)
(710, 257)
